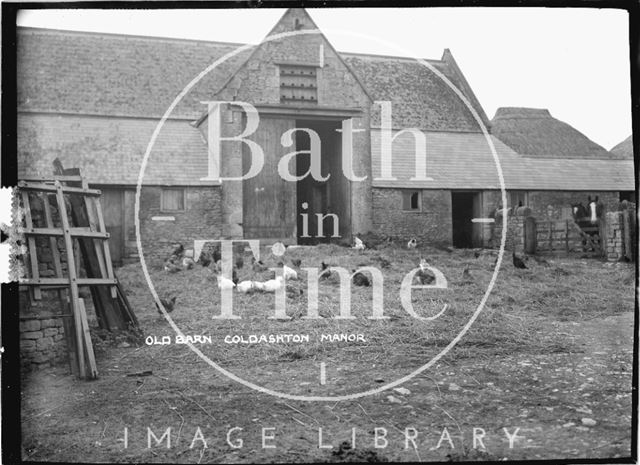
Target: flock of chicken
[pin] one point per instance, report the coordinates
(182, 259)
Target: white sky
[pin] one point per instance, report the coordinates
(574, 62)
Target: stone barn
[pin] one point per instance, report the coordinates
(419, 162)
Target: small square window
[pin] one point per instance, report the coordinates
(411, 200)
(518, 199)
(172, 200)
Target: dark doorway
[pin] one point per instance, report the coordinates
(629, 196)
(465, 206)
(321, 197)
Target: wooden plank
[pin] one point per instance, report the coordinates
(88, 345)
(550, 236)
(49, 188)
(566, 235)
(74, 232)
(73, 285)
(67, 324)
(65, 281)
(45, 316)
(125, 304)
(93, 225)
(53, 242)
(105, 246)
(31, 242)
(51, 179)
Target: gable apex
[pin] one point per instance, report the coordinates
(294, 19)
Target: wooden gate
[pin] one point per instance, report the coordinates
(268, 201)
(568, 236)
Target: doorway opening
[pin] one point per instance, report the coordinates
(331, 198)
(465, 206)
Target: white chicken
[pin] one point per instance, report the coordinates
(273, 284)
(412, 244)
(358, 244)
(245, 286)
(289, 273)
(224, 283)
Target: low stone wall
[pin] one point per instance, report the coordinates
(621, 234)
(515, 229)
(42, 343)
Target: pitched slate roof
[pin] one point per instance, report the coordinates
(465, 161)
(535, 133)
(624, 149)
(111, 151)
(116, 75)
(420, 98)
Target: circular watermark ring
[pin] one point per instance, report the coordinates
(266, 390)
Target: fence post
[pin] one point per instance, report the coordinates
(628, 233)
(530, 235)
(602, 234)
(566, 235)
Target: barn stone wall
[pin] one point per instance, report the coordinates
(201, 219)
(431, 225)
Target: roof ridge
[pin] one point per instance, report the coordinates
(121, 35)
(211, 42)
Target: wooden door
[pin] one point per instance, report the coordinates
(113, 211)
(268, 201)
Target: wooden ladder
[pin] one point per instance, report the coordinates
(45, 189)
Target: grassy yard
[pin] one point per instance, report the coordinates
(550, 354)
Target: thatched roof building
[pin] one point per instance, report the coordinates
(624, 149)
(535, 133)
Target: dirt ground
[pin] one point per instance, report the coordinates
(548, 363)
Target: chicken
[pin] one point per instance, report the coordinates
(225, 283)
(273, 284)
(168, 304)
(517, 261)
(358, 244)
(412, 244)
(245, 286)
(170, 266)
(326, 270)
(188, 263)
(289, 273)
(205, 259)
(360, 279)
(424, 275)
(466, 274)
(178, 250)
